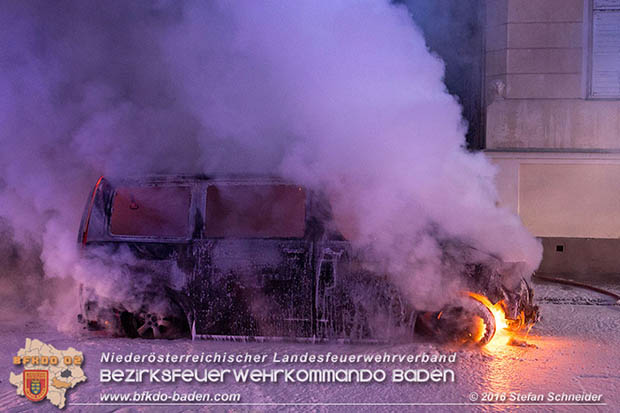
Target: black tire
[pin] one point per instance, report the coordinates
(149, 324)
(476, 309)
(468, 321)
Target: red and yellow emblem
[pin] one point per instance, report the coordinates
(35, 384)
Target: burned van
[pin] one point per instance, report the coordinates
(251, 258)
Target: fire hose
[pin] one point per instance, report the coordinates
(578, 284)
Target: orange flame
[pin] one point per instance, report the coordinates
(502, 334)
(481, 329)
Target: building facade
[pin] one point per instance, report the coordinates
(552, 116)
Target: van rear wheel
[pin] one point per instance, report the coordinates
(155, 325)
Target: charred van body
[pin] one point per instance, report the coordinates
(250, 258)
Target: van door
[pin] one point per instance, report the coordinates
(252, 276)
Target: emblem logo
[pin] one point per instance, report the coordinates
(36, 384)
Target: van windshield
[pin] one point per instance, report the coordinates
(255, 211)
(151, 212)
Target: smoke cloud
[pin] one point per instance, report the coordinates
(343, 96)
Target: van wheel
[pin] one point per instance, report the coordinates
(154, 325)
(466, 322)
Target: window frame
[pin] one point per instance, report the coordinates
(590, 15)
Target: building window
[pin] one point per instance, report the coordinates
(605, 50)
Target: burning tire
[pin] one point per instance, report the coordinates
(467, 322)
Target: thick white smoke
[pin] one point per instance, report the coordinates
(341, 95)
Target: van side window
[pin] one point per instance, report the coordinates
(255, 211)
(151, 212)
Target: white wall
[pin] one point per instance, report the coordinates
(573, 195)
